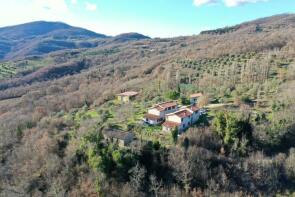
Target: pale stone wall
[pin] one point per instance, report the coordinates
(154, 111)
(173, 118)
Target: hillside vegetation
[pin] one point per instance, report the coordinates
(54, 107)
(41, 37)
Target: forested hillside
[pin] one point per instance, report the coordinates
(54, 107)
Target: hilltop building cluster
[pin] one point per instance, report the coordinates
(170, 115)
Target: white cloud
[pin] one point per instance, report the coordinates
(74, 2)
(54, 5)
(234, 3)
(22, 11)
(90, 6)
(228, 3)
(203, 2)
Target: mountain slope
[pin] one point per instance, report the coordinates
(41, 37)
(274, 34)
(43, 28)
(267, 24)
(129, 36)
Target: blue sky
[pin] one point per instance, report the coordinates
(156, 18)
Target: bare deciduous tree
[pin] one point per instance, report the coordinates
(137, 175)
(155, 185)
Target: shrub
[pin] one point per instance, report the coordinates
(174, 135)
(184, 100)
(245, 99)
(234, 131)
(174, 95)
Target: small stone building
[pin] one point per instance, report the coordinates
(123, 138)
(126, 97)
(194, 98)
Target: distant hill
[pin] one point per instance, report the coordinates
(28, 45)
(37, 48)
(46, 29)
(260, 25)
(130, 36)
(41, 37)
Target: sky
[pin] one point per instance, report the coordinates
(155, 18)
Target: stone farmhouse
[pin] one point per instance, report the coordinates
(171, 116)
(123, 138)
(156, 114)
(181, 119)
(126, 97)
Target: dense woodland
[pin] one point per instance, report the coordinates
(53, 108)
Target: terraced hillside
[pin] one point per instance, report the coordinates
(7, 71)
(243, 68)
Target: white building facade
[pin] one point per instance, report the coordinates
(181, 119)
(156, 114)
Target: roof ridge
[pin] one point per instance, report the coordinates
(179, 110)
(166, 102)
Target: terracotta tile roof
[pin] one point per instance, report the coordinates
(170, 124)
(196, 95)
(183, 113)
(152, 117)
(168, 104)
(165, 105)
(193, 108)
(159, 108)
(129, 93)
